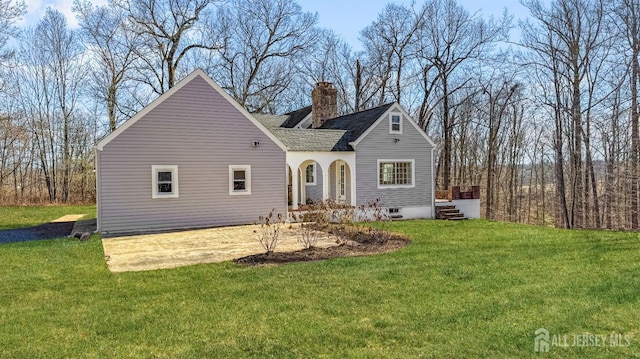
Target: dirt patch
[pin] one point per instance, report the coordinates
(358, 242)
(68, 218)
(177, 249)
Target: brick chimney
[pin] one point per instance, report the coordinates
(324, 103)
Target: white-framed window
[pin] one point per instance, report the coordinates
(164, 179)
(310, 174)
(239, 180)
(396, 173)
(395, 123)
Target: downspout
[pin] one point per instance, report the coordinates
(96, 153)
(433, 186)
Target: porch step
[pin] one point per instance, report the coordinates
(449, 213)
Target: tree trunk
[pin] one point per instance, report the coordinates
(635, 136)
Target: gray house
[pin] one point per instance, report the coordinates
(195, 158)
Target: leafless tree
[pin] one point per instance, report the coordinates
(499, 102)
(329, 59)
(564, 39)
(49, 83)
(388, 44)
(449, 38)
(113, 50)
(627, 17)
(168, 29)
(261, 43)
(10, 11)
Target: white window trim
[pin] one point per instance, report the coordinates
(391, 131)
(247, 169)
(174, 181)
(315, 175)
(413, 174)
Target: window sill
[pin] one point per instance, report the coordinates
(164, 196)
(239, 193)
(394, 186)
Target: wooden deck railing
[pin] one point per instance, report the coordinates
(454, 193)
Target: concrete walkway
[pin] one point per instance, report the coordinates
(176, 249)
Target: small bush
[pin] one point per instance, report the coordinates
(269, 230)
(308, 236)
(338, 219)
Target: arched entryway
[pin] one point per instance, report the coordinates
(320, 176)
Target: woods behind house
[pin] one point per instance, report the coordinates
(541, 112)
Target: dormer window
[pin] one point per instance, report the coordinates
(395, 124)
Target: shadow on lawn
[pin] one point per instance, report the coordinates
(43, 231)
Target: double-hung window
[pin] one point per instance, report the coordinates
(164, 180)
(396, 173)
(395, 124)
(239, 180)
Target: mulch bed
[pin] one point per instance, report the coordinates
(360, 242)
(43, 231)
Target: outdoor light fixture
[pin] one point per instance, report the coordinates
(396, 140)
(256, 143)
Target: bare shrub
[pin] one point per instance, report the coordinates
(269, 230)
(338, 218)
(376, 212)
(308, 236)
(372, 211)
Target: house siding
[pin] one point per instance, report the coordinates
(379, 144)
(198, 130)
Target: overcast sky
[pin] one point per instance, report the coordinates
(345, 17)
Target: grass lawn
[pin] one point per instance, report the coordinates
(25, 216)
(460, 290)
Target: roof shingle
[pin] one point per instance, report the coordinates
(294, 117)
(334, 135)
(356, 123)
(313, 140)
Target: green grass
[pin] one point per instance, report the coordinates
(460, 290)
(26, 216)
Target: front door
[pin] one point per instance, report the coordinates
(341, 173)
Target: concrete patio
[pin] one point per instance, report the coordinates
(176, 249)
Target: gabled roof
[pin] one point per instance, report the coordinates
(294, 117)
(304, 140)
(357, 123)
(176, 88)
(335, 134)
(338, 134)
